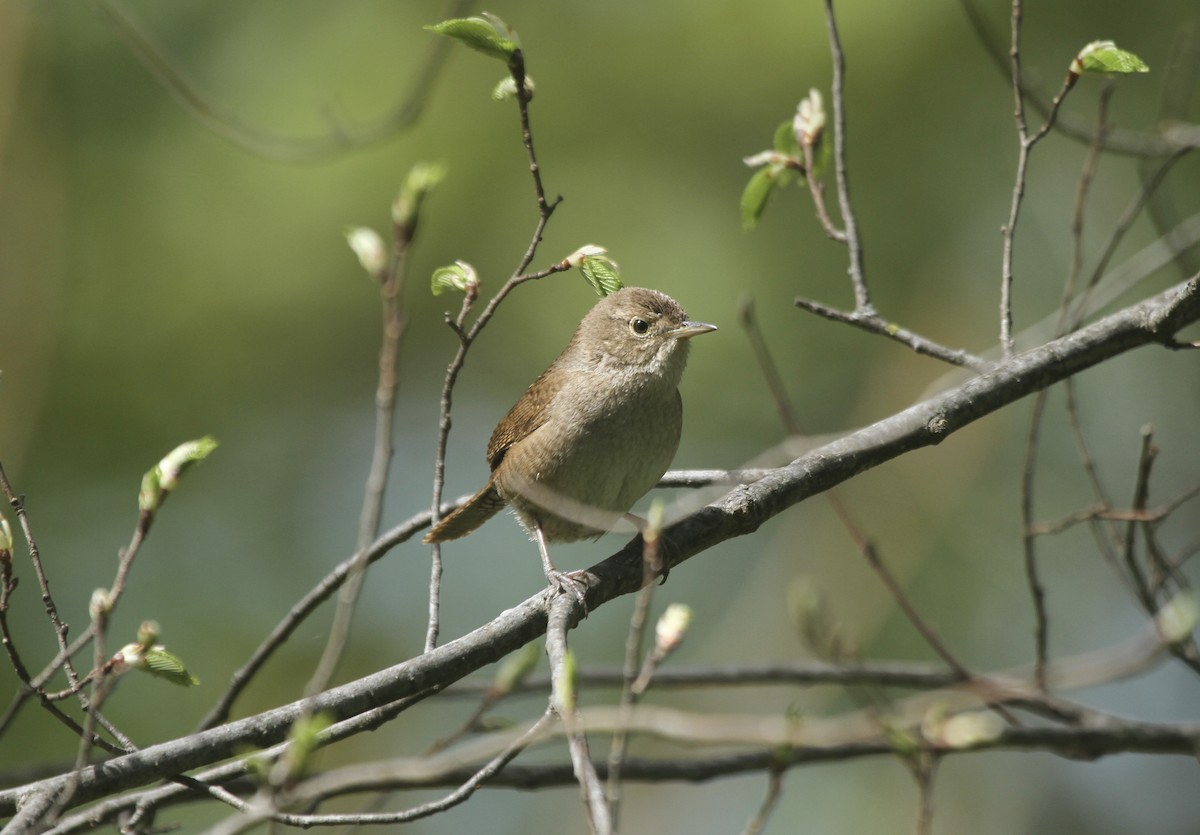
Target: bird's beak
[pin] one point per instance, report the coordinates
(689, 329)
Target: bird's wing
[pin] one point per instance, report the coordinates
(523, 419)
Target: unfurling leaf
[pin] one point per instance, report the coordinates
(163, 478)
(755, 195)
(488, 34)
(164, 665)
(154, 660)
(602, 273)
(507, 88)
(459, 276)
(585, 251)
(785, 140)
(1105, 57)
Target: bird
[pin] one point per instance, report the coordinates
(593, 433)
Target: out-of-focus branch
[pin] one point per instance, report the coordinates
(221, 120)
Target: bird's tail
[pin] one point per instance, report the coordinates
(479, 508)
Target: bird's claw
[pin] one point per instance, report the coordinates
(573, 581)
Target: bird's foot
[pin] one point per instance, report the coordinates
(573, 581)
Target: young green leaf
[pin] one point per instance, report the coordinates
(1105, 57)
(785, 140)
(458, 276)
(489, 35)
(163, 477)
(305, 738)
(162, 664)
(602, 273)
(755, 195)
(507, 89)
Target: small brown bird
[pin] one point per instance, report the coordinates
(593, 433)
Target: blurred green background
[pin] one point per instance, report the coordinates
(158, 282)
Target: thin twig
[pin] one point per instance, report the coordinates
(817, 189)
(634, 639)
(1029, 534)
(1025, 143)
(785, 674)
(758, 824)
(862, 298)
(741, 511)
(467, 336)
(1090, 163)
(1134, 143)
(300, 611)
(311, 792)
(874, 323)
(18, 505)
(923, 772)
(861, 541)
(393, 326)
(1141, 492)
(33, 686)
(565, 610)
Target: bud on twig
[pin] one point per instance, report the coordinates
(809, 122)
(585, 251)
(671, 628)
(459, 276)
(100, 605)
(6, 542)
(163, 478)
(148, 633)
(1177, 619)
(507, 89)
(370, 249)
(406, 208)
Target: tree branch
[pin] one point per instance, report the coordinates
(741, 511)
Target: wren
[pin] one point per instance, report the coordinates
(593, 433)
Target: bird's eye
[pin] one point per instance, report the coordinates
(639, 326)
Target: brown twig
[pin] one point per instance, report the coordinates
(565, 611)
(758, 824)
(924, 769)
(862, 542)
(741, 511)
(1029, 534)
(1118, 141)
(394, 323)
(60, 628)
(817, 189)
(874, 323)
(300, 611)
(632, 685)
(1025, 144)
(862, 298)
(467, 336)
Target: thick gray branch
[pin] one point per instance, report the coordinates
(740, 511)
